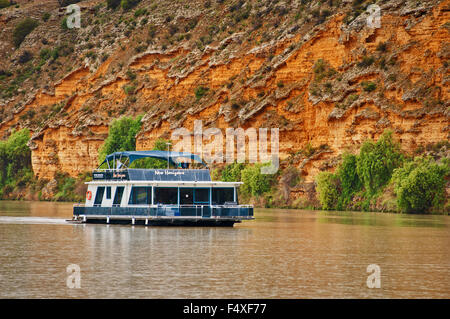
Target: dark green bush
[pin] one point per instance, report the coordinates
(382, 47)
(140, 12)
(200, 92)
(368, 86)
(328, 189)
(128, 4)
(366, 61)
(129, 89)
(113, 4)
(232, 172)
(46, 16)
(25, 57)
(255, 183)
(349, 180)
(420, 185)
(24, 28)
(121, 136)
(365, 174)
(64, 3)
(64, 24)
(377, 161)
(15, 160)
(4, 4)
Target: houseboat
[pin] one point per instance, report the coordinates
(178, 195)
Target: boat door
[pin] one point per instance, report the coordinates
(197, 199)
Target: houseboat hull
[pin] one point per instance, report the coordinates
(163, 216)
(140, 221)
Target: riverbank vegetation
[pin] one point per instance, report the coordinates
(122, 137)
(15, 162)
(362, 181)
(17, 180)
(379, 178)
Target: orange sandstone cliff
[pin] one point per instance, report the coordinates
(325, 78)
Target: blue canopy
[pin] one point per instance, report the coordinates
(164, 155)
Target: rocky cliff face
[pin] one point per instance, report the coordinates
(317, 72)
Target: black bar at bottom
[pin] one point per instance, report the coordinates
(225, 308)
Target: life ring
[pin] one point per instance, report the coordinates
(88, 195)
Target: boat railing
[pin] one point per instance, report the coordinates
(207, 210)
(183, 205)
(182, 210)
(109, 169)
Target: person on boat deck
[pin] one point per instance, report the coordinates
(183, 165)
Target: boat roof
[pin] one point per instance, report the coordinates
(200, 184)
(157, 175)
(171, 157)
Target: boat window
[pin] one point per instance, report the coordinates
(166, 195)
(202, 195)
(118, 196)
(222, 195)
(140, 196)
(186, 196)
(99, 196)
(108, 192)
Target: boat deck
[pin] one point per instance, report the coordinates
(158, 215)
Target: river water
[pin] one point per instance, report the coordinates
(281, 254)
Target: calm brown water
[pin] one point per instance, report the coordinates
(282, 254)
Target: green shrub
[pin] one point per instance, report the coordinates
(15, 161)
(64, 24)
(232, 172)
(200, 92)
(255, 183)
(152, 31)
(160, 145)
(377, 161)
(420, 185)
(128, 4)
(382, 47)
(322, 69)
(4, 4)
(349, 180)
(25, 57)
(366, 61)
(46, 16)
(121, 136)
(131, 75)
(65, 188)
(113, 4)
(140, 12)
(368, 86)
(129, 89)
(235, 106)
(328, 189)
(64, 3)
(24, 28)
